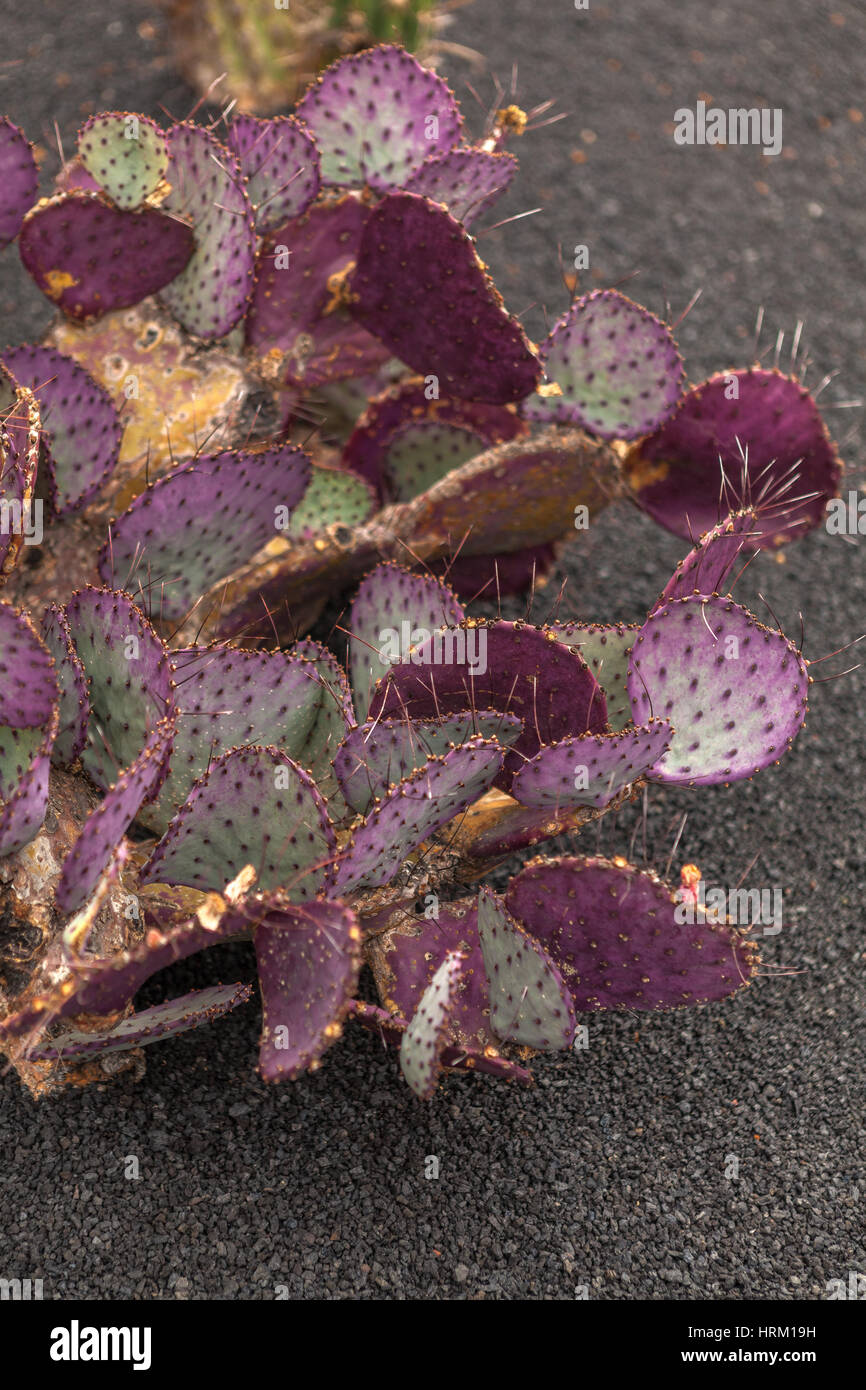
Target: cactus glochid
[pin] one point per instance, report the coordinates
(180, 765)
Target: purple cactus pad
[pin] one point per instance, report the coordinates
(707, 567)
(308, 958)
(280, 163)
(19, 179)
(592, 770)
(130, 679)
(512, 667)
(228, 697)
(690, 473)
(393, 610)
(20, 438)
(524, 493)
(207, 189)
(377, 115)
(606, 648)
(201, 522)
(406, 955)
(296, 312)
(465, 181)
(373, 757)
(734, 691)
(90, 257)
(496, 576)
(413, 810)
(193, 1010)
(28, 681)
(74, 708)
(22, 815)
(82, 429)
(333, 717)
(420, 288)
(109, 984)
(613, 932)
(108, 822)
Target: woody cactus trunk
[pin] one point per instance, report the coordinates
(280, 376)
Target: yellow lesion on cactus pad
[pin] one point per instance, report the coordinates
(56, 281)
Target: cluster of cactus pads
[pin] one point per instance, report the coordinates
(281, 374)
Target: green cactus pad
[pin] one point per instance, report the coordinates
(130, 679)
(375, 756)
(126, 154)
(228, 697)
(529, 1003)
(617, 365)
(334, 497)
(253, 806)
(393, 610)
(606, 648)
(18, 750)
(426, 1038)
(413, 809)
(28, 727)
(19, 179)
(408, 438)
(333, 716)
(22, 815)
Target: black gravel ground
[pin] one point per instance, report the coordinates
(609, 1177)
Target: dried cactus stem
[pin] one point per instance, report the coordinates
(506, 518)
(32, 957)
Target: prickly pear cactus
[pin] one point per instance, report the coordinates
(298, 384)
